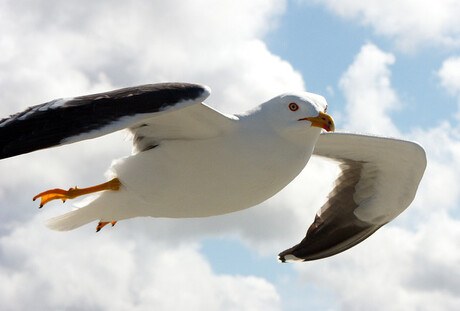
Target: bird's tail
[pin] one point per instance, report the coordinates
(71, 220)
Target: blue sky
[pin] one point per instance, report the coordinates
(381, 70)
(321, 46)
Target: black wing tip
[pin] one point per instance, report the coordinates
(281, 258)
(314, 247)
(197, 91)
(184, 90)
(47, 125)
(282, 255)
(288, 256)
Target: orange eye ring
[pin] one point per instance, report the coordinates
(293, 107)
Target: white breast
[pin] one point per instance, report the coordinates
(198, 178)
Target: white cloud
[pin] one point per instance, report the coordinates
(396, 269)
(449, 75)
(410, 23)
(437, 192)
(75, 49)
(45, 270)
(368, 92)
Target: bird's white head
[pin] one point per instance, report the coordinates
(301, 113)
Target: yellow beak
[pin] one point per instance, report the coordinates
(323, 120)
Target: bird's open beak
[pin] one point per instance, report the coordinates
(323, 120)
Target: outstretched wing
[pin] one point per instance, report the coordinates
(64, 121)
(379, 178)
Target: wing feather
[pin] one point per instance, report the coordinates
(379, 178)
(65, 121)
(191, 122)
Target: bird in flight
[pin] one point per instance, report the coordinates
(189, 160)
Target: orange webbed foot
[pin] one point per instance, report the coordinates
(102, 224)
(55, 194)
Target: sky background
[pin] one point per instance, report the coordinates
(385, 67)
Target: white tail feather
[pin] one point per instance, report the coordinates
(71, 220)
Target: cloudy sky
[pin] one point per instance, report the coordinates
(385, 67)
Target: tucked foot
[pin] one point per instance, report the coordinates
(55, 194)
(102, 224)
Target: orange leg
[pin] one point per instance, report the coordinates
(102, 224)
(72, 193)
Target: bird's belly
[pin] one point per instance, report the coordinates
(180, 180)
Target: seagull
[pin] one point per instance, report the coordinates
(190, 160)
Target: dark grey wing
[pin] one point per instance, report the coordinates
(335, 227)
(65, 121)
(379, 178)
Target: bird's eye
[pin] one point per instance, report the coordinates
(293, 107)
(325, 109)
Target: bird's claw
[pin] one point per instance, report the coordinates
(102, 224)
(55, 194)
